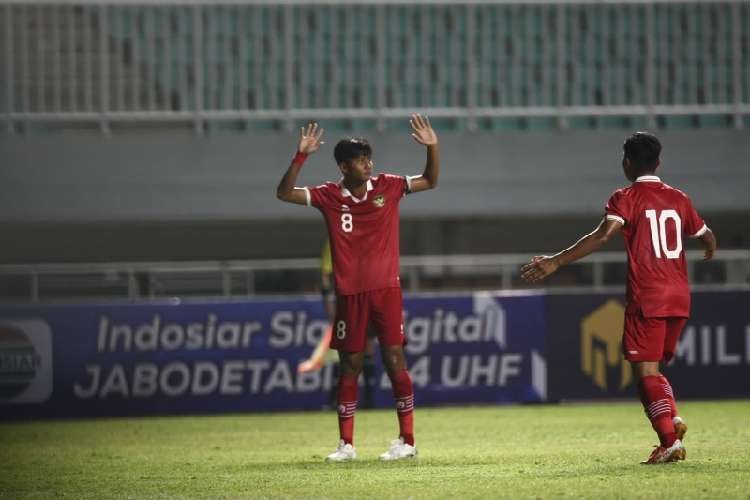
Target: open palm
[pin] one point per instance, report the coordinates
(422, 130)
(539, 268)
(309, 138)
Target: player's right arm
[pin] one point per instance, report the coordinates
(309, 142)
(326, 282)
(543, 265)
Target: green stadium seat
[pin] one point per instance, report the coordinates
(514, 51)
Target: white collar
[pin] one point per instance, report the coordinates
(346, 192)
(648, 178)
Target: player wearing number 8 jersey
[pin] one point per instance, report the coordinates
(364, 232)
(653, 218)
(361, 212)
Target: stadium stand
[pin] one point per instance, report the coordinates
(494, 65)
(100, 100)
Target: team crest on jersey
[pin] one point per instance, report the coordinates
(344, 208)
(379, 201)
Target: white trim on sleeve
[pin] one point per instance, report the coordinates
(409, 178)
(617, 218)
(700, 232)
(307, 196)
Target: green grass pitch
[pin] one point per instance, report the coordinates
(547, 451)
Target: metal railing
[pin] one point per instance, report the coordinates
(603, 271)
(484, 64)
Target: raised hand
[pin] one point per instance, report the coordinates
(309, 138)
(423, 132)
(539, 268)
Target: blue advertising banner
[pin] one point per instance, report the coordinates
(584, 340)
(172, 358)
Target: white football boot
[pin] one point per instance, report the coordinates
(680, 428)
(662, 455)
(343, 453)
(399, 450)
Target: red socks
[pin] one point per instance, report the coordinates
(403, 392)
(670, 393)
(347, 405)
(659, 405)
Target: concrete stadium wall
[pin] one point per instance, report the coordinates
(69, 198)
(180, 240)
(167, 176)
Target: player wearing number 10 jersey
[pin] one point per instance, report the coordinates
(653, 218)
(361, 212)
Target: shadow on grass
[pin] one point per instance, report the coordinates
(321, 464)
(582, 470)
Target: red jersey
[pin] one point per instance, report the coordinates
(364, 233)
(655, 218)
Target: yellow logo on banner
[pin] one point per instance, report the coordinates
(601, 337)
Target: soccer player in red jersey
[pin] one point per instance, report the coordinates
(361, 212)
(652, 217)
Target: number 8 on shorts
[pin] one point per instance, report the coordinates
(340, 329)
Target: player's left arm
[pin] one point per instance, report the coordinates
(542, 266)
(708, 240)
(423, 133)
(697, 228)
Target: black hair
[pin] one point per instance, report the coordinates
(643, 150)
(350, 149)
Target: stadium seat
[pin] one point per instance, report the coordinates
(494, 56)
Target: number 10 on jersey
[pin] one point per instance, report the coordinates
(659, 232)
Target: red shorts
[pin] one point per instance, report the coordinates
(651, 339)
(384, 308)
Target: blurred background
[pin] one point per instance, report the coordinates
(139, 131)
(142, 141)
